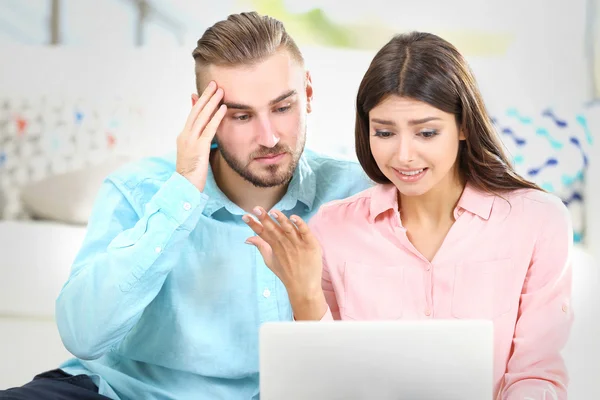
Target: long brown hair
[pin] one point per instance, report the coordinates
(425, 67)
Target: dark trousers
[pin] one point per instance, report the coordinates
(55, 385)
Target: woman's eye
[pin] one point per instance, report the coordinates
(383, 134)
(428, 134)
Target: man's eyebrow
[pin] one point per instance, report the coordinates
(236, 106)
(282, 97)
(239, 106)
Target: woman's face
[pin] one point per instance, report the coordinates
(414, 144)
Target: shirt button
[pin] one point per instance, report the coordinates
(187, 206)
(427, 312)
(266, 293)
(428, 268)
(565, 308)
(158, 250)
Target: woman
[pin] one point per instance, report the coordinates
(449, 231)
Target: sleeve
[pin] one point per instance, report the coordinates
(120, 267)
(536, 369)
(317, 226)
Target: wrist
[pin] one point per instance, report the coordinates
(308, 305)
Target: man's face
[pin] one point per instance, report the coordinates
(262, 135)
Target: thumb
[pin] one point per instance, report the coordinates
(263, 248)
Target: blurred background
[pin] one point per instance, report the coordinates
(86, 86)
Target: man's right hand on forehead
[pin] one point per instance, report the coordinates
(194, 141)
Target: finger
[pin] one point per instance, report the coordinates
(263, 247)
(207, 113)
(302, 226)
(211, 129)
(253, 224)
(271, 228)
(284, 223)
(206, 95)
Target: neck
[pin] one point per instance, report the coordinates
(241, 192)
(435, 207)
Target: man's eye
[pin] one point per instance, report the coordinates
(283, 109)
(244, 117)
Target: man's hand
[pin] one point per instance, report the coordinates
(193, 143)
(294, 255)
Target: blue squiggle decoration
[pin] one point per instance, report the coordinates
(553, 142)
(569, 180)
(512, 112)
(518, 141)
(550, 114)
(588, 133)
(549, 163)
(576, 196)
(577, 144)
(547, 186)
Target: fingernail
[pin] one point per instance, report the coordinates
(246, 218)
(294, 220)
(257, 211)
(247, 242)
(273, 214)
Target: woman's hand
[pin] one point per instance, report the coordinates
(293, 254)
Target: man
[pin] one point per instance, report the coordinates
(165, 299)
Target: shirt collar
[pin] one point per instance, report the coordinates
(302, 187)
(476, 202)
(385, 197)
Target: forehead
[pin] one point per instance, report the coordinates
(396, 107)
(257, 84)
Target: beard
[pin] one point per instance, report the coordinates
(270, 175)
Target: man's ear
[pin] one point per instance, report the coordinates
(309, 92)
(195, 98)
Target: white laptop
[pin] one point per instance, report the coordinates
(416, 360)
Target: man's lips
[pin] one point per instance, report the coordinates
(271, 158)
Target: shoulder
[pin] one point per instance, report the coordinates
(348, 211)
(541, 203)
(321, 163)
(336, 177)
(542, 210)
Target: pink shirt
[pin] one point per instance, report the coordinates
(507, 263)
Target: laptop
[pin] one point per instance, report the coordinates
(416, 360)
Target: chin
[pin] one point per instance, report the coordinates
(412, 189)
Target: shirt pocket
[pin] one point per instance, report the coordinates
(482, 290)
(372, 292)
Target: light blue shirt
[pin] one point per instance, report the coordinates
(165, 300)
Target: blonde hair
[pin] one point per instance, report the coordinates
(242, 39)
